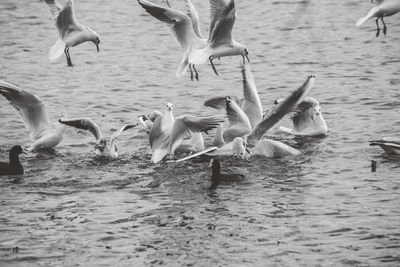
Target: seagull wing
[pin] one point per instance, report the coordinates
(85, 124)
(239, 124)
(30, 107)
(65, 19)
(220, 102)
(273, 149)
(251, 104)
(222, 24)
(179, 23)
(159, 141)
(186, 125)
(115, 136)
(280, 110)
(194, 16)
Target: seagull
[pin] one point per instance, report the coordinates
(70, 31)
(148, 121)
(307, 119)
(389, 144)
(102, 147)
(14, 167)
(382, 8)
(239, 123)
(168, 133)
(252, 105)
(186, 30)
(277, 112)
(42, 132)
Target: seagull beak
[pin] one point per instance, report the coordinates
(98, 48)
(247, 57)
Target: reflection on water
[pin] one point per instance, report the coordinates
(323, 207)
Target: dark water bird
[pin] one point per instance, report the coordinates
(381, 9)
(43, 133)
(14, 167)
(389, 144)
(217, 177)
(70, 31)
(186, 30)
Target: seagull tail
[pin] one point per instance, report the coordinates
(182, 68)
(57, 50)
(371, 13)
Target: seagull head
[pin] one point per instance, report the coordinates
(170, 106)
(245, 53)
(317, 110)
(95, 38)
(101, 144)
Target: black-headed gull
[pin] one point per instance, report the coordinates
(102, 147)
(42, 132)
(186, 30)
(70, 31)
(389, 144)
(168, 133)
(307, 119)
(381, 9)
(14, 167)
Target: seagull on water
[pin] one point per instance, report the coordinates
(257, 124)
(381, 9)
(391, 145)
(70, 31)
(186, 30)
(42, 132)
(168, 133)
(102, 147)
(307, 119)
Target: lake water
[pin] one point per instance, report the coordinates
(322, 208)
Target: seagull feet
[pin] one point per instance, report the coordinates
(69, 62)
(378, 30)
(191, 68)
(212, 65)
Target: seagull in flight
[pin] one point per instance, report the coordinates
(70, 32)
(42, 132)
(185, 28)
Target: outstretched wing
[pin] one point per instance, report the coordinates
(239, 124)
(187, 125)
(85, 124)
(273, 149)
(280, 110)
(30, 107)
(115, 136)
(220, 102)
(64, 17)
(251, 104)
(179, 23)
(223, 17)
(194, 16)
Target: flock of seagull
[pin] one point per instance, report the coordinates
(247, 122)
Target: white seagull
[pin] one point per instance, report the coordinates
(307, 119)
(70, 31)
(102, 147)
(168, 133)
(186, 30)
(381, 9)
(389, 144)
(42, 132)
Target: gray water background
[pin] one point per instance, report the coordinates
(324, 207)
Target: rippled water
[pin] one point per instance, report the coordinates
(324, 207)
